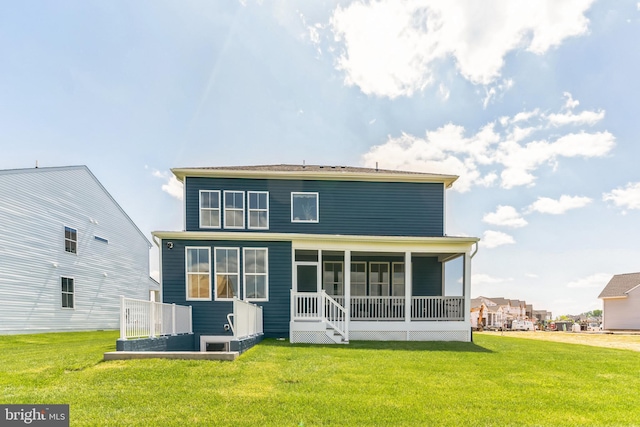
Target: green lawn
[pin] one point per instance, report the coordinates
(498, 380)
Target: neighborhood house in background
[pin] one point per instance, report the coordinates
(329, 253)
(67, 252)
(621, 302)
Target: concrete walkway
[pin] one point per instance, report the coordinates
(185, 355)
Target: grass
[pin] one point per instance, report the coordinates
(497, 380)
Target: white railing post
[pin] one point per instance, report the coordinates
(173, 319)
(123, 319)
(152, 321)
(407, 290)
(190, 319)
(321, 301)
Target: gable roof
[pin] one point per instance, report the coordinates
(91, 175)
(620, 285)
(318, 172)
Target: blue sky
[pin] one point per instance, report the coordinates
(533, 103)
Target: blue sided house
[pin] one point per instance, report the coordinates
(330, 254)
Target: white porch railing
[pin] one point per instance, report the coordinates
(141, 319)
(246, 319)
(320, 307)
(368, 308)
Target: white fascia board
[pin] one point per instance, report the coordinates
(632, 289)
(616, 297)
(447, 180)
(336, 241)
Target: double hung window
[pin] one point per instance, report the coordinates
(227, 273)
(256, 283)
(198, 274)
(71, 240)
(209, 209)
(379, 278)
(68, 292)
(234, 209)
(258, 209)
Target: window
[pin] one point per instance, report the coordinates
(198, 274)
(227, 264)
(258, 209)
(67, 292)
(304, 207)
(70, 240)
(256, 283)
(379, 278)
(397, 279)
(209, 209)
(358, 279)
(234, 209)
(332, 280)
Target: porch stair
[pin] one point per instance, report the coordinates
(335, 335)
(326, 315)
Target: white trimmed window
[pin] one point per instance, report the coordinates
(332, 278)
(258, 210)
(397, 279)
(234, 209)
(358, 279)
(68, 292)
(256, 276)
(227, 264)
(379, 278)
(198, 273)
(71, 240)
(209, 209)
(304, 207)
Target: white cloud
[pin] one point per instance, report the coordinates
(570, 103)
(393, 47)
(584, 118)
(444, 92)
(493, 239)
(506, 216)
(173, 187)
(627, 197)
(560, 206)
(598, 280)
(501, 148)
(481, 279)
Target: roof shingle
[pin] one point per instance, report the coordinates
(619, 285)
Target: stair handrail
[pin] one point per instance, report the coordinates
(329, 320)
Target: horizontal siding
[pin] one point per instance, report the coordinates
(34, 209)
(346, 207)
(209, 317)
(622, 313)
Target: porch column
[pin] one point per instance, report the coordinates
(407, 290)
(467, 288)
(347, 289)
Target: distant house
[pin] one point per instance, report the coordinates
(621, 302)
(67, 252)
(329, 253)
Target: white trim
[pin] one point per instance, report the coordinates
(209, 209)
(186, 272)
(380, 176)
(224, 207)
(306, 193)
(249, 210)
(215, 272)
(324, 263)
(72, 293)
(244, 273)
(632, 289)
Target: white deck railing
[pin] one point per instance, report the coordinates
(306, 306)
(246, 319)
(320, 307)
(140, 319)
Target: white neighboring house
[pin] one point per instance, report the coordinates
(67, 252)
(621, 302)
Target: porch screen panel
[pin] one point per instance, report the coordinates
(358, 279)
(397, 279)
(379, 278)
(227, 272)
(332, 278)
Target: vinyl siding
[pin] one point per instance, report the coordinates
(35, 206)
(622, 313)
(346, 207)
(209, 317)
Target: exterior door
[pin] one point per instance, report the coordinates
(307, 277)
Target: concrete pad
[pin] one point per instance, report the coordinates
(184, 355)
